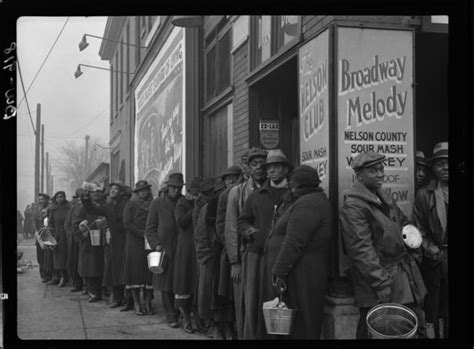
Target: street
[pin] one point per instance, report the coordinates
(50, 312)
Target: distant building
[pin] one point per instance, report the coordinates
(100, 175)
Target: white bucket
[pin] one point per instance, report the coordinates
(107, 236)
(155, 262)
(95, 237)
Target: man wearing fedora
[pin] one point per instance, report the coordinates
(382, 269)
(161, 233)
(430, 214)
(135, 273)
(234, 247)
(113, 212)
(254, 226)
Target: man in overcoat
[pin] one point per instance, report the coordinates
(233, 244)
(254, 226)
(383, 270)
(231, 177)
(430, 214)
(113, 212)
(161, 233)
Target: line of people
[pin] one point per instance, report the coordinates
(232, 243)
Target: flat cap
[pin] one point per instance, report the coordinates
(304, 176)
(256, 152)
(364, 160)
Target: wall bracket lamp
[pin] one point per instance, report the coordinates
(83, 44)
(78, 71)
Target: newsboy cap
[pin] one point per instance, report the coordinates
(141, 184)
(256, 152)
(232, 170)
(304, 176)
(364, 160)
(440, 151)
(420, 158)
(175, 180)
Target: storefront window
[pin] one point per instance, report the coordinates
(272, 35)
(217, 61)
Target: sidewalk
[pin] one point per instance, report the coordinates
(50, 312)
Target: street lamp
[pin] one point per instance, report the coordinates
(83, 44)
(78, 71)
(187, 21)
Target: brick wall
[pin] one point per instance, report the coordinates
(240, 102)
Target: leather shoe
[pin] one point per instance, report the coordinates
(116, 304)
(139, 311)
(188, 328)
(75, 289)
(173, 324)
(85, 292)
(62, 283)
(52, 282)
(148, 310)
(127, 307)
(94, 299)
(44, 280)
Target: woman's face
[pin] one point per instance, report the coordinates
(59, 199)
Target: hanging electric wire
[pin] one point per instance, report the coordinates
(24, 93)
(42, 64)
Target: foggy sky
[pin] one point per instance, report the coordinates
(70, 108)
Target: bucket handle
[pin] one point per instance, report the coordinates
(283, 287)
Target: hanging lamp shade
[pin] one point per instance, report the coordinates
(187, 21)
(78, 72)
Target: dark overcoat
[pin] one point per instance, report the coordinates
(73, 244)
(185, 265)
(225, 287)
(136, 270)
(91, 258)
(161, 228)
(57, 217)
(113, 212)
(371, 231)
(297, 250)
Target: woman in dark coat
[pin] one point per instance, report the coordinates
(136, 274)
(56, 219)
(113, 212)
(73, 245)
(91, 258)
(161, 233)
(297, 254)
(185, 270)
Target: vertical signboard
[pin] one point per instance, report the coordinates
(314, 105)
(159, 106)
(375, 107)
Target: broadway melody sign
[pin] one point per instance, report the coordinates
(375, 106)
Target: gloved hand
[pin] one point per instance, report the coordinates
(433, 252)
(159, 248)
(384, 295)
(235, 272)
(83, 226)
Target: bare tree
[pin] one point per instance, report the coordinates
(76, 165)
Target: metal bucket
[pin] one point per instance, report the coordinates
(279, 320)
(94, 235)
(155, 262)
(391, 321)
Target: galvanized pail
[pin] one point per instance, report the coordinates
(279, 320)
(94, 235)
(391, 321)
(155, 262)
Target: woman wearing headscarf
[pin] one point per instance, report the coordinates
(135, 273)
(185, 271)
(297, 254)
(57, 216)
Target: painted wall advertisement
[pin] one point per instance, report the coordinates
(314, 105)
(159, 105)
(375, 107)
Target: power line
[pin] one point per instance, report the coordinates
(88, 122)
(44, 61)
(23, 87)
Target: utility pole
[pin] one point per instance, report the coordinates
(42, 158)
(87, 160)
(37, 150)
(48, 174)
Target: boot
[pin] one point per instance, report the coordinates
(187, 327)
(136, 301)
(128, 303)
(148, 295)
(216, 332)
